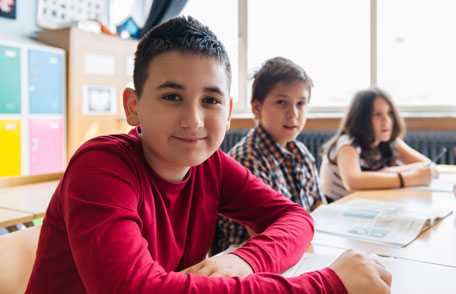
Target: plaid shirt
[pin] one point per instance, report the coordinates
(290, 170)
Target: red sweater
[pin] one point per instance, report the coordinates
(114, 226)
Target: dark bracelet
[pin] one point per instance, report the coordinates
(401, 180)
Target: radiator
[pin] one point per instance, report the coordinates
(232, 137)
(427, 142)
(431, 143)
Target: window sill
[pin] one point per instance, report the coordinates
(438, 121)
(329, 115)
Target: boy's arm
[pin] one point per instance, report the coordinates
(229, 232)
(321, 195)
(316, 178)
(284, 229)
(111, 256)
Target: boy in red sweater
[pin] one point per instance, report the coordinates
(136, 213)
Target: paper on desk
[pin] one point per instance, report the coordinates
(408, 276)
(376, 221)
(312, 262)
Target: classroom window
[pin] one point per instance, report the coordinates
(416, 48)
(405, 47)
(329, 39)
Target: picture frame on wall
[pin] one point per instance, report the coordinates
(99, 100)
(8, 8)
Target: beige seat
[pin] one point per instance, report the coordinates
(17, 254)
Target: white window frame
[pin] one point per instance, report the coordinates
(242, 107)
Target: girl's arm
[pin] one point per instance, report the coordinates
(356, 179)
(409, 156)
(411, 160)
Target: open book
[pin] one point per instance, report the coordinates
(376, 221)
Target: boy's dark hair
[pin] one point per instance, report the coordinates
(183, 34)
(357, 124)
(277, 70)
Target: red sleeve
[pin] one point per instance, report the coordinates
(284, 228)
(111, 256)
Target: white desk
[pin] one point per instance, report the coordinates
(11, 217)
(31, 198)
(409, 277)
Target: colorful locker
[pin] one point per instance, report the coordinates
(10, 79)
(46, 81)
(10, 147)
(47, 150)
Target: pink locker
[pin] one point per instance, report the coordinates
(47, 145)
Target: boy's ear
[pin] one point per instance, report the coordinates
(130, 103)
(228, 124)
(256, 106)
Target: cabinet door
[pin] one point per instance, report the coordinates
(46, 81)
(10, 80)
(10, 147)
(47, 143)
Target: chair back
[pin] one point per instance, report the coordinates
(17, 255)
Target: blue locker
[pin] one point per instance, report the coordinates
(46, 82)
(10, 79)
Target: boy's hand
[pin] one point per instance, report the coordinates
(361, 273)
(223, 265)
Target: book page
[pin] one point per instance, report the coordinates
(375, 221)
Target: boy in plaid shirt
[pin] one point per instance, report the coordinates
(280, 95)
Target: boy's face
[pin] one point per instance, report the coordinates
(282, 113)
(184, 109)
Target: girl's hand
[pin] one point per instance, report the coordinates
(435, 171)
(421, 176)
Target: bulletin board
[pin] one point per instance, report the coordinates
(52, 14)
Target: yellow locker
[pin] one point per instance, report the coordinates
(10, 147)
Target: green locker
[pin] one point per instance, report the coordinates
(10, 79)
